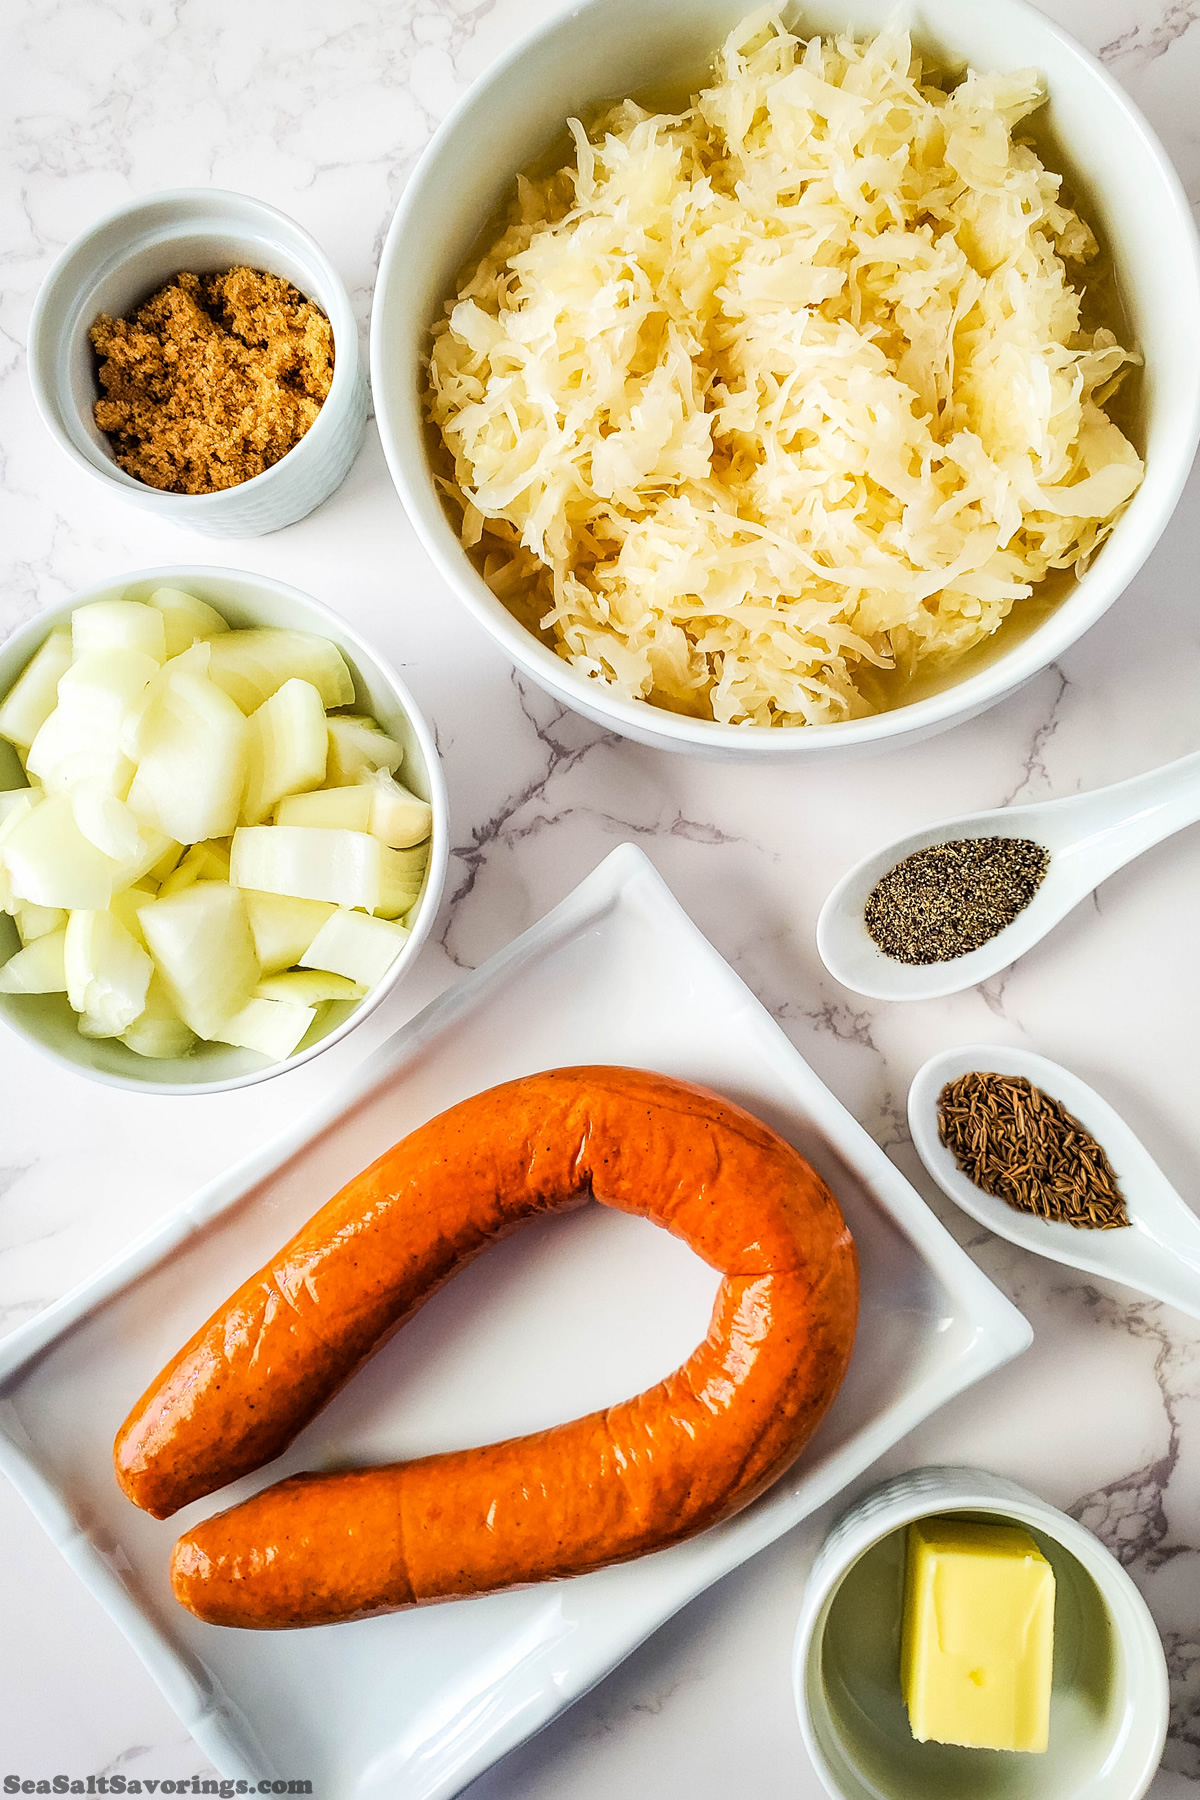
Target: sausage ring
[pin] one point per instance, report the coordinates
(314, 1549)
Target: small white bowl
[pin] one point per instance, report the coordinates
(1109, 1707)
(119, 263)
(603, 48)
(46, 1020)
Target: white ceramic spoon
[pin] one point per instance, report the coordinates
(1158, 1252)
(1088, 837)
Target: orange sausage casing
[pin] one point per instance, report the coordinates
(634, 1477)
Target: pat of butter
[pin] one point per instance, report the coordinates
(977, 1649)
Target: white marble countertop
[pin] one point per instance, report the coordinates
(105, 100)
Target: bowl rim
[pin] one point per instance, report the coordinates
(34, 631)
(938, 1489)
(208, 202)
(1074, 615)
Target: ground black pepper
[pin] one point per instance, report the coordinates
(950, 898)
(1024, 1147)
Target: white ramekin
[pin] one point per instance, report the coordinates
(45, 1020)
(119, 263)
(1106, 1737)
(608, 47)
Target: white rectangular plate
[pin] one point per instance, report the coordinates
(571, 1314)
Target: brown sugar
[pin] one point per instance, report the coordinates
(212, 380)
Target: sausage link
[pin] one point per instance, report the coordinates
(654, 1469)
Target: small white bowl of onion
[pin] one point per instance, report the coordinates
(223, 830)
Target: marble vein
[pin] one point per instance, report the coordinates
(554, 728)
(1034, 781)
(1148, 39)
(1133, 1514)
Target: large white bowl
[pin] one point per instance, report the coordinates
(605, 48)
(46, 1020)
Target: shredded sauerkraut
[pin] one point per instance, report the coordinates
(751, 399)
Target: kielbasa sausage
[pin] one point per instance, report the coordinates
(632, 1478)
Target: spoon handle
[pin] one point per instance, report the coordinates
(1151, 807)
